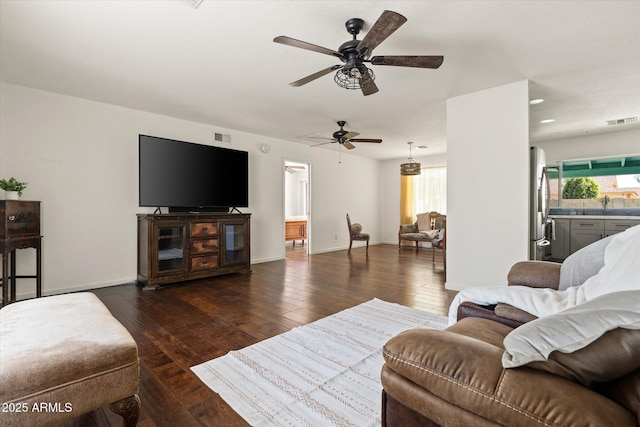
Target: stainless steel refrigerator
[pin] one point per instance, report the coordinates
(539, 204)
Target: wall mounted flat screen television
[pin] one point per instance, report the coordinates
(184, 176)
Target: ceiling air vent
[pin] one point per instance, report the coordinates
(622, 121)
(221, 137)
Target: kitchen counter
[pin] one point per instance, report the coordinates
(594, 213)
(596, 216)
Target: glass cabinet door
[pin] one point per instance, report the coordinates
(171, 242)
(235, 250)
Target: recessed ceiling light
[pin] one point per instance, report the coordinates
(536, 101)
(547, 121)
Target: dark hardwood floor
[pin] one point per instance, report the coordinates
(185, 324)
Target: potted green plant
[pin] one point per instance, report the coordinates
(12, 187)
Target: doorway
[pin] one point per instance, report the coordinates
(296, 209)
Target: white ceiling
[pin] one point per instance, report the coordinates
(217, 63)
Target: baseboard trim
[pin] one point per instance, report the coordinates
(79, 288)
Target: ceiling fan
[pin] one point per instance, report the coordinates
(353, 74)
(345, 138)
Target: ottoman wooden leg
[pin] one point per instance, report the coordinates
(129, 409)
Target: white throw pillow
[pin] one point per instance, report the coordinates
(424, 222)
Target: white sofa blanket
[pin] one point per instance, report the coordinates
(621, 272)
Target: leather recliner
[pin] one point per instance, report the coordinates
(455, 377)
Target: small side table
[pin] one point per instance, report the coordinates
(19, 229)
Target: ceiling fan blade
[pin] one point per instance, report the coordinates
(377, 141)
(304, 45)
(409, 61)
(348, 145)
(322, 143)
(368, 86)
(314, 76)
(386, 24)
(347, 136)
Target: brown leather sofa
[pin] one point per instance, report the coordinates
(456, 377)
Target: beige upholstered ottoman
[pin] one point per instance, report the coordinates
(62, 356)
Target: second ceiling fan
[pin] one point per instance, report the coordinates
(346, 138)
(353, 74)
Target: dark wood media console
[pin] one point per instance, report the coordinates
(185, 246)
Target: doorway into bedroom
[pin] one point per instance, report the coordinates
(296, 209)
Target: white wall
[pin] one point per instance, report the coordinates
(80, 158)
(341, 188)
(487, 158)
(610, 144)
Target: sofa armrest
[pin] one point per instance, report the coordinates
(471, 309)
(514, 313)
(408, 228)
(535, 274)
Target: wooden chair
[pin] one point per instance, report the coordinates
(439, 242)
(355, 233)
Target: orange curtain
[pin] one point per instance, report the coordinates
(406, 200)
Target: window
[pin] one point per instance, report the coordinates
(617, 183)
(430, 190)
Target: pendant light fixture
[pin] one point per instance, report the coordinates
(411, 167)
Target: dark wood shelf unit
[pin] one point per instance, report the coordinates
(185, 246)
(19, 229)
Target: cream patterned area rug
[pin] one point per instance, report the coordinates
(326, 373)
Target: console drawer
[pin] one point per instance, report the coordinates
(203, 229)
(204, 246)
(204, 262)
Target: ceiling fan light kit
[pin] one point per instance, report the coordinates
(411, 167)
(354, 78)
(354, 74)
